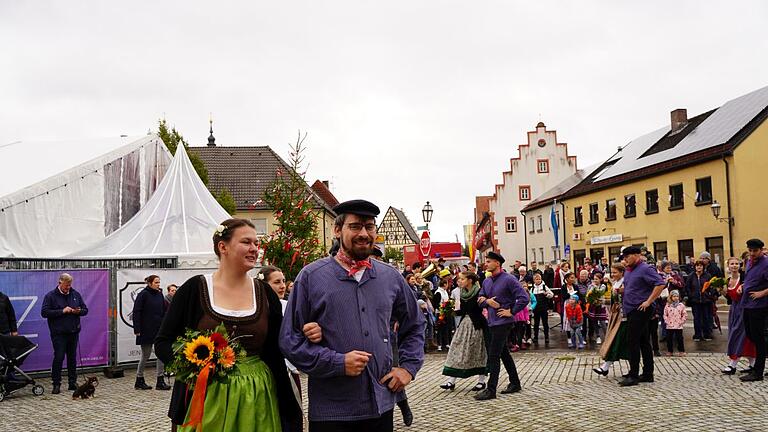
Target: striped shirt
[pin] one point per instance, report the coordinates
(353, 316)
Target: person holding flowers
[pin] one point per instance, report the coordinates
(596, 310)
(614, 346)
(443, 305)
(220, 337)
(738, 343)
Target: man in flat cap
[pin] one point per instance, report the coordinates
(754, 299)
(503, 297)
(353, 384)
(642, 286)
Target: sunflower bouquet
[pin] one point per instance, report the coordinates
(200, 356)
(196, 351)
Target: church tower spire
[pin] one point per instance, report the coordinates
(211, 138)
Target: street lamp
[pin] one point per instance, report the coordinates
(426, 213)
(716, 213)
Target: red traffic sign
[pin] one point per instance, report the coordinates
(425, 245)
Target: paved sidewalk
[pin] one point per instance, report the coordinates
(558, 395)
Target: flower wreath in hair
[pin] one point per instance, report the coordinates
(260, 276)
(220, 230)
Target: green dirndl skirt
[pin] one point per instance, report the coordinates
(619, 349)
(246, 400)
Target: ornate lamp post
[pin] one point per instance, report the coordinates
(426, 213)
(716, 213)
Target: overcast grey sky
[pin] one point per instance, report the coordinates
(404, 101)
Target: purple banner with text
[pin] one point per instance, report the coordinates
(27, 289)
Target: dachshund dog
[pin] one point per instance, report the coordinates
(87, 389)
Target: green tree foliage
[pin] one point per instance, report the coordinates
(392, 254)
(171, 137)
(227, 201)
(294, 242)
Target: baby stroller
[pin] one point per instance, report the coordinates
(13, 351)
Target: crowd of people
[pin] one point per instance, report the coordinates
(360, 329)
(590, 307)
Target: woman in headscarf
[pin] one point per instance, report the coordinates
(467, 356)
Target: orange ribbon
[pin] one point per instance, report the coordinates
(197, 406)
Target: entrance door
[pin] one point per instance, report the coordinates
(596, 254)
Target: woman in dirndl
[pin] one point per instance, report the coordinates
(258, 395)
(614, 347)
(739, 344)
(468, 356)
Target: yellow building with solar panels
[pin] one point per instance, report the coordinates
(693, 185)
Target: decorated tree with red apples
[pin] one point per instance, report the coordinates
(294, 243)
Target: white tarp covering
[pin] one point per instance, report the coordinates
(178, 220)
(60, 197)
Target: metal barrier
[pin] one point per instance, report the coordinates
(11, 264)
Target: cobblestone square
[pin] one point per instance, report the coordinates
(560, 393)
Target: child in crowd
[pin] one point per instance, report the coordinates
(596, 310)
(575, 317)
(675, 316)
(522, 321)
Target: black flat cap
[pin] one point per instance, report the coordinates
(629, 250)
(494, 256)
(377, 252)
(358, 207)
(755, 244)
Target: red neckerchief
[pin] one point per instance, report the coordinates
(354, 266)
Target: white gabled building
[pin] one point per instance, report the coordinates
(546, 242)
(542, 164)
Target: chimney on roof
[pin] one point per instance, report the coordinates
(679, 119)
(327, 184)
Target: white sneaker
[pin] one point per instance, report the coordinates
(439, 347)
(599, 341)
(570, 344)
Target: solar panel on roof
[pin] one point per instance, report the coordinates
(717, 129)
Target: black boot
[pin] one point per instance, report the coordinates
(161, 385)
(406, 411)
(141, 385)
(56, 389)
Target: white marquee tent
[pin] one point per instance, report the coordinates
(178, 220)
(61, 196)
